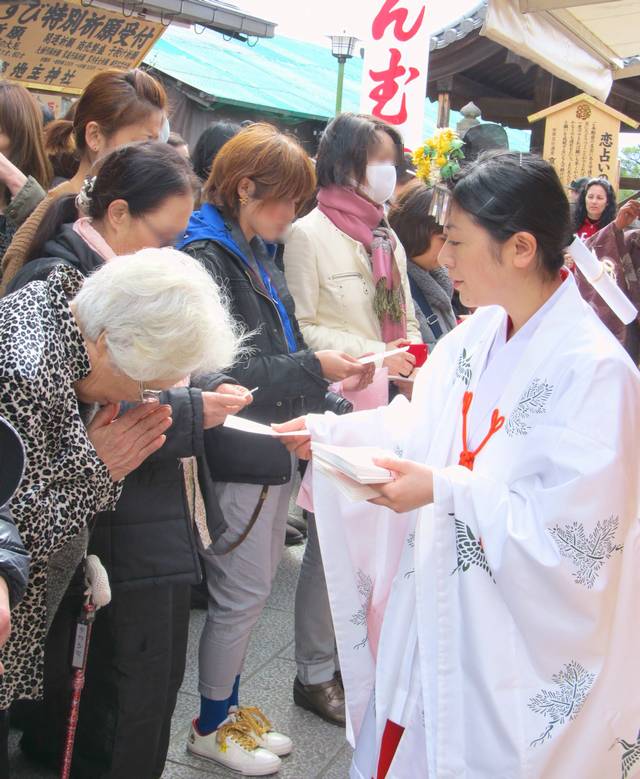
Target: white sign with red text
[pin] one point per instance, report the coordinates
(394, 81)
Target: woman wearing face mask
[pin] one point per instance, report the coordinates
(258, 181)
(347, 273)
(596, 208)
(141, 196)
(344, 267)
(116, 107)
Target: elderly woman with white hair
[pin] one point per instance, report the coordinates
(139, 324)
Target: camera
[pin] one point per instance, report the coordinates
(337, 404)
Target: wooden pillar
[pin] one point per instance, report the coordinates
(444, 109)
(543, 98)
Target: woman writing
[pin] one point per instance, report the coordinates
(258, 181)
(496, 571)
(347, 273)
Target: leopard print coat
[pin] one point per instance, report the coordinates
(42, 354)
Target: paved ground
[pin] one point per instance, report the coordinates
(320, 750)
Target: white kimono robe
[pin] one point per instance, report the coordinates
(500, 625)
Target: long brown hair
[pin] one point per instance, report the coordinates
(21, 122)
(113, 99)
(275, 162)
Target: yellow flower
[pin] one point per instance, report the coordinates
(441, 160)
(423, 169)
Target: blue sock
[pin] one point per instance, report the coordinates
(235, 693)
(212, 714)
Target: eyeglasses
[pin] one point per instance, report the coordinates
(162, 240)
(148, 395)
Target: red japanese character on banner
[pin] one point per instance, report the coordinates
(389, 15)
(387, 88)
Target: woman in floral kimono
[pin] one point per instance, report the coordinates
(485, 601)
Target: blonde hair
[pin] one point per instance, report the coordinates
(162, 315)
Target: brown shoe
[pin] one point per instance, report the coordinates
(326, 699)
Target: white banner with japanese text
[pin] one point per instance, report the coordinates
(394, 81)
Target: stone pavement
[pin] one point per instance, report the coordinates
(320, 749)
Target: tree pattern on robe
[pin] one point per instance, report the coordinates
(365, 591)
(630, 755)
(588, 553)
(532, 401)
(469, 549)
(411, 543)
(563, 703)
(463, 368)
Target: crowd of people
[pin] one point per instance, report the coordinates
(151, 292)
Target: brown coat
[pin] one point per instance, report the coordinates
(623, 249)
(17, 250)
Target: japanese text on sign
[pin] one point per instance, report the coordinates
(395, 66)
(61, 45)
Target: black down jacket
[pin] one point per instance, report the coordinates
(149, 538)
(290, 383)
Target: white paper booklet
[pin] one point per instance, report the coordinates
(249, 426)
(356, 462)
(348, 487)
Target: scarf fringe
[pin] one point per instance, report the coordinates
(388, 302)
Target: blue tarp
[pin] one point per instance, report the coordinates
(278, 75)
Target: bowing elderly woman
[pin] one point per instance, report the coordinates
(138, 325)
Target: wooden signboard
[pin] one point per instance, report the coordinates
(59, 46)
(581, 138)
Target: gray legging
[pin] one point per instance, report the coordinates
(315, 637)
(239, 583)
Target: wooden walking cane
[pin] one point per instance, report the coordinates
(98, 594)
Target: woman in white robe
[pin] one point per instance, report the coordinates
(485, 604)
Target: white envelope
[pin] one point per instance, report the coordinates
(248, 426)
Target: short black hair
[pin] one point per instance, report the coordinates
(345, 145)
(209, 144)
(508, 192)
(409, 217)
(143, 174)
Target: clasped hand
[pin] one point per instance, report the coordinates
(124, 443)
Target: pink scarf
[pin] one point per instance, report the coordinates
(92, 238)
(360, 220)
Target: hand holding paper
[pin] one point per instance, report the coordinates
(226, 399)
(337, 366)
(295, 436)
(412, 487)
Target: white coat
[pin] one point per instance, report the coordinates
(499, 625)
(330, 277)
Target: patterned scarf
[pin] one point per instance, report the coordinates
(361, 220)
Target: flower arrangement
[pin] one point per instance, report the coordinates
(439, 157)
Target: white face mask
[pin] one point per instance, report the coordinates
(380, 182)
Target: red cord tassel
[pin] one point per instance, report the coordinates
(468, 456)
